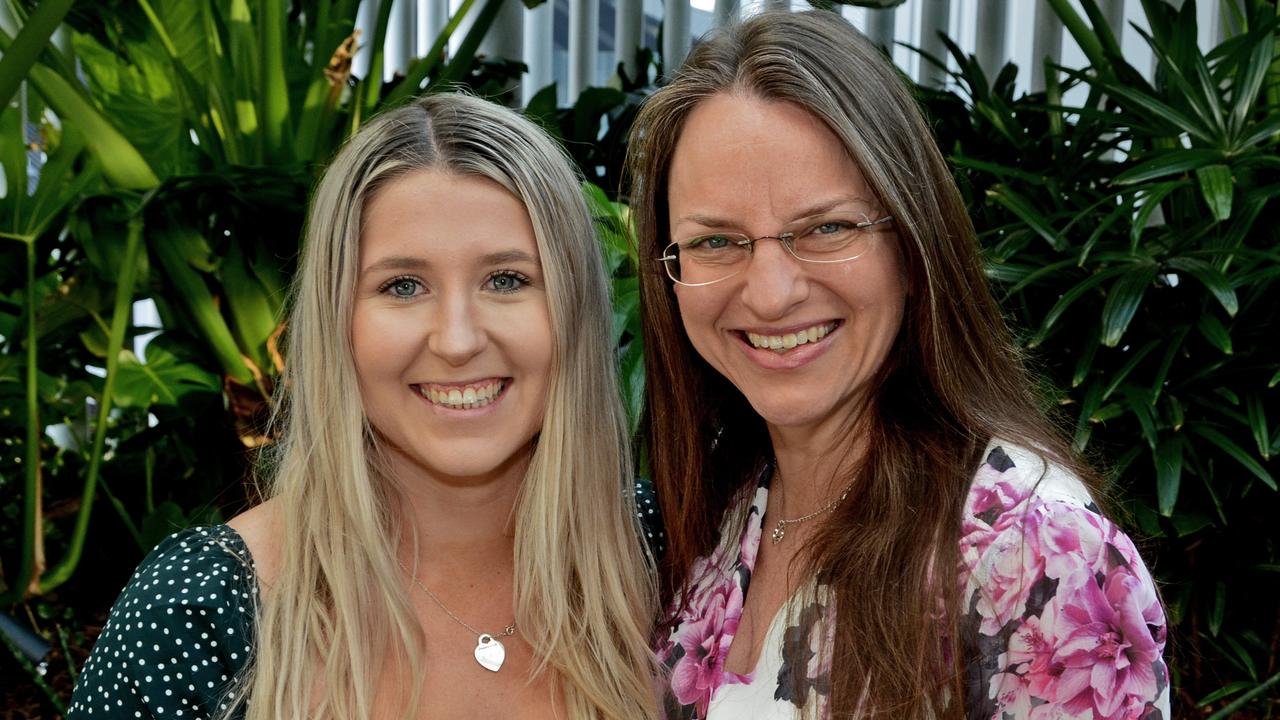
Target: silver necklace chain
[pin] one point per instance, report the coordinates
(506, 632)
(780, 530)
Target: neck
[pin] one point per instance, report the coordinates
(814, 465)
(459, 521)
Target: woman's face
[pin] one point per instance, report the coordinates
(754, 166)
(450, 330)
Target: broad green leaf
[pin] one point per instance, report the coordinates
(632, 379)
(20, 54)
(1168, 462)
(626, 308)
(1223, 692)
(1123, 300)
(1215, 332)
(1217, 187)
(120, 160)
(273, 97)
(162, 380)
(190, 289)
(1211, 278)
(252, 312)
(1237, 453)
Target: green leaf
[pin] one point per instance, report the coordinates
(1174, 162)
(1168, 462)
(163, 380)
(1217, 188)
(1175, 340)
(1213, 330)
(1070, 297)
(1237, 453)
(1150, 201)
(190, 289)
(1123, 300)
(1223, 692)
(626, 308)
(1219, 608)
(1211, 278)
(1250, 78)
(1258, 424)
(1026, 212)
(632, 377)
(22, 52)
(1119, 376)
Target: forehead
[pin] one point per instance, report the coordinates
(757, 160)
(444, 218)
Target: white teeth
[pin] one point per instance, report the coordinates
(467, 398)
(782, 343)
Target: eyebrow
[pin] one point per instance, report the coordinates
(413, 262)
(809, 211)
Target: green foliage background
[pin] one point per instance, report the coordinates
(168, 155)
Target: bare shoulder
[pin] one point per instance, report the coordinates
(259, 527)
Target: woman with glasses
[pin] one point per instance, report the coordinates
(445, 532)
(867, 512)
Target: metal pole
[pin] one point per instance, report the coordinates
(880, 28)
(433, 15)
(539, 44)
(628, 29)
(584, 22)
(675, 34)
(993, 22)
(726, 11)
(1046, 42)
(400, 47)
(936, 19)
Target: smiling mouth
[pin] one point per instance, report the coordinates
(470, 396)
(789, 341)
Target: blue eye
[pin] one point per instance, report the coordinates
(401, 288)
(832, 227)
(507, 281)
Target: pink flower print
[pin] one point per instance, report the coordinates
(1071, 538)
(705, 641)
(1007, 571)
(751, 538)
(1104, 648)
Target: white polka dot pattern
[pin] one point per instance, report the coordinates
(177, 636)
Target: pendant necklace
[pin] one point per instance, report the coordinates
(780, 530)
(489, 652)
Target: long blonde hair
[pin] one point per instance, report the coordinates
(337, 616)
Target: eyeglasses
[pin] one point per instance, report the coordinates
(829, 238)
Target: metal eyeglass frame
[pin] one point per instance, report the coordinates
(786, 238)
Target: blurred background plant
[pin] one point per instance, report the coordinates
(162, 151)
(1134, 239)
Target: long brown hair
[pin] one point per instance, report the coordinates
(953, 380)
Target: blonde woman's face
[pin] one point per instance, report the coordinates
(450, 330)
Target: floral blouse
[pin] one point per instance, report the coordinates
(1061, 608)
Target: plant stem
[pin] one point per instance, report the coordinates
(1241, 701)
(31, 498)
(36, 677)
(119, 321)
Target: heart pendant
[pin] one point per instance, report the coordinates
(490, 653)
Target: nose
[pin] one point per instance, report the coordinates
(774, 282)
(457, 334)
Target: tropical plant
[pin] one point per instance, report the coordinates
(1134, 238)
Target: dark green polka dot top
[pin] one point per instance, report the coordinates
(182, 630)
(179, 634)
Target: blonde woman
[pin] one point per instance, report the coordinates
(437, 539)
